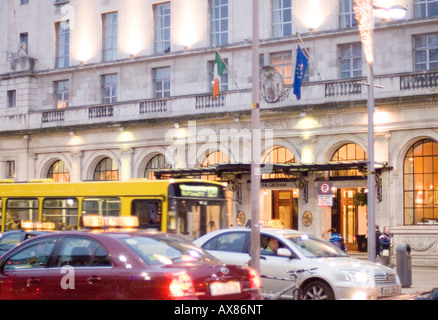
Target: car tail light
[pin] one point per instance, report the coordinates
(181, 286)
(255, 281)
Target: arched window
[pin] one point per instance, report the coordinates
(278, 155)
(421, 183)
(106, 169)
(157, 162)
(58, 171)
(216, 157)
(349, 151)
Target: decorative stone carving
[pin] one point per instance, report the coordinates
(272, 85)
(21, 61)
(421, 244)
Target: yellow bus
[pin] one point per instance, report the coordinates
(191, 207)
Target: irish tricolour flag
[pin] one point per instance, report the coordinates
(219, 67)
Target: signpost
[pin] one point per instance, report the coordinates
(325, 199)
(325, 195)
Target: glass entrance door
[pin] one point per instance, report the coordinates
(349, 215)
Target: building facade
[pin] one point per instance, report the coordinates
(113, 90)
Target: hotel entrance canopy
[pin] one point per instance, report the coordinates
(224, 171)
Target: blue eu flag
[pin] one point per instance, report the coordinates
(300, 70)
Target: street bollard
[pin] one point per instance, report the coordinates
(404, 265)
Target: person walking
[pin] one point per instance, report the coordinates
(378, 245)
(386, 243)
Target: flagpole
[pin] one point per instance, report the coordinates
(303, 47)
(229, 71)
(255, 142)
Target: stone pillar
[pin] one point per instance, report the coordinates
(126, 163)
(76, 166)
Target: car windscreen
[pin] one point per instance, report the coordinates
(165, 251)
(312, 247)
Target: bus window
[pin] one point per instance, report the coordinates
(101, 206)
(62, 212)
(196, 217)
(148, 213)
(18, 210)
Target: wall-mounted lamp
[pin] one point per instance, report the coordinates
(121, 129)
(26, 136)
(176, 125)
(71, 133)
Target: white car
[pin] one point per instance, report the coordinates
(337, 276)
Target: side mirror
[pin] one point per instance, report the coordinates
(283, 252)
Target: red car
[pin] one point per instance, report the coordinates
(120, 265)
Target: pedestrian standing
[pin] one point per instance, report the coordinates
(386, 243)
(378, 246)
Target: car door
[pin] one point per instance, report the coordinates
(273, 265)
(230, 247)
(82, 269)
(23, 271)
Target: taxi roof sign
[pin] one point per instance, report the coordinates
(95, 221)
(277, 224)
(30, 225)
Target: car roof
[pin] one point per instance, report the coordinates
(268, 231)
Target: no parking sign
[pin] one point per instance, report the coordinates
(325, 195)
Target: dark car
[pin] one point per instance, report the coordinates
(120, 265)
(10, 239)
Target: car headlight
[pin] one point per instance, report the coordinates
(356, 276)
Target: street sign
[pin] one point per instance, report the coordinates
(325, 195)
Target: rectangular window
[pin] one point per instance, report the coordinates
(63, 213)
(62, 44)
(24, 2)
(426, 52)
(101, 206)
(24, 42)
(425, 8)
(224, 78)
(281, 18)
(62, 94)
(162, 82)
(12, 98)
(350, 61)
(219, 22)
(110, 36)
(148, 213)
(162, 27)
(18, 210)
(282, 61)
(109, 88)
(10, 169)
(347, 18)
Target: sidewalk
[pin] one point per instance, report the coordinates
(423, 278)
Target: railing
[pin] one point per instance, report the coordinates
(153, 106)
(207, 101)
(53, 116)
(100, 112)
(422, 80)
(343, 88)
(348, 90)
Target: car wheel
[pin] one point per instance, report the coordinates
(317, 290)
